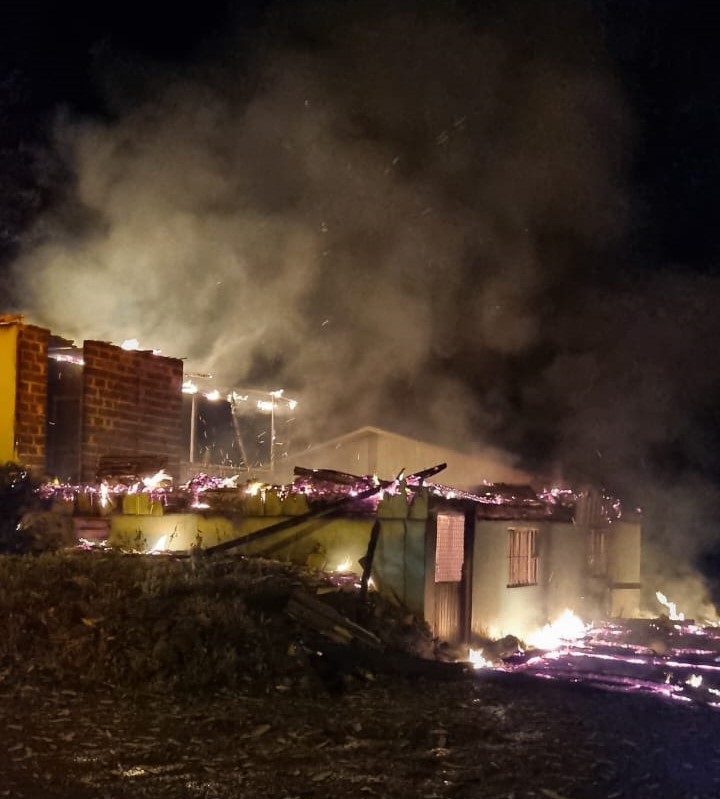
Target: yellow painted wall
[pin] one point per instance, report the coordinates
(8, 379)
(398, 566)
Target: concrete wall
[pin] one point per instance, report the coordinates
(566, 571)
(563, 579)
(329, 543)
(496, 609)
(132, 405)
(339, 542)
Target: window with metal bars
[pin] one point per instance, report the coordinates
(522, 556)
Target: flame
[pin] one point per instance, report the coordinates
(66, 358)
(345, 566)
(104, 494)
(568, 627)
(130, 344)
(671, 607)
(154, 480)
(477, 660)
(188, 387)
(694, 680)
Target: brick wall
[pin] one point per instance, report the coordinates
(132, 405)
(31, 396)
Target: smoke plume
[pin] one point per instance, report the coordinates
(405, 215)
(356, 212)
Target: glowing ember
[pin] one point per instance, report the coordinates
(568, 628)
(694, 680)
(345, 566)
(671, 607)
(64, 357)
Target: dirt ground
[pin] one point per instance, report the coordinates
(486, 735)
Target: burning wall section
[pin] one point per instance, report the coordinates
(132, 406)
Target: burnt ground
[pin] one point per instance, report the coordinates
(485, 735)
(139, 676)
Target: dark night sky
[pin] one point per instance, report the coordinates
(549, 170)
(665, 54)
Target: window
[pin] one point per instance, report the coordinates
(450, 547)
(522, 556)
(597, 553)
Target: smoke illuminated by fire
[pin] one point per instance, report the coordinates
(362, 212)
(420, 237)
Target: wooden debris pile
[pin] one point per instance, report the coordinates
(196, 624)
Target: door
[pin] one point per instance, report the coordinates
(449, 588)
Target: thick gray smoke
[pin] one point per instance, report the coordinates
(356, 214)
(404, 216)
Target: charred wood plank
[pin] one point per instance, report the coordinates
(330, 476)
(327, 621)
(367, 561)
(345, 478)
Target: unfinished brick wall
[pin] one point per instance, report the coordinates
(31, 396)
(132, 406)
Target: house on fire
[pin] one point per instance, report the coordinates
(479, 553)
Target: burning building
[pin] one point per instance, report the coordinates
(79, 413)
(485, 556)
(501, 561)
(72, 412)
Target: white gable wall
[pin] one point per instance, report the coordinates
(374, 451)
